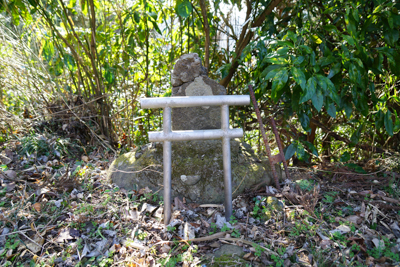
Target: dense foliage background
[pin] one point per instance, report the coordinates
(328, 71)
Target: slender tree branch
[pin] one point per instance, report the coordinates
(203, 7)
(245, 38)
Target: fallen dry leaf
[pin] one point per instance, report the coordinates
(37, 206)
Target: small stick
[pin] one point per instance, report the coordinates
(253, 99)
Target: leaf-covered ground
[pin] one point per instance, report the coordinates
(61, 211)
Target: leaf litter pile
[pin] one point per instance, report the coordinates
(60, 211)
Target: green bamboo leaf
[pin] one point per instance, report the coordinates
(71, 4)
(69, 62)
(136, 16)
(299, 77)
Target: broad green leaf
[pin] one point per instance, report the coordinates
(298, 60)
(312, 58)
(389, 123)
(318, 100)
(283, 51)
(292, 36)
(305, 122)
(184, 9)
(299, 77)
(349, 39)
(355, 167)
(351, 24)
(312, 148)
(310, 89)
(345, 157)
(396, 127)
(348, 109)
(285, 43)
(272, 71)
(322, 83)
(300, 152)
(277, 60)
(306, 48)
(390, 19)
(355, 137)
(332, 110)
(278, 83)
(296, 98)
(330, 28)
(290, 151)
(326, 60)
(391, 36)
(316, 39)
(354, 74)
(269, 69)
(335, 70)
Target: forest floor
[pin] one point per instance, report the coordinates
(60, 211)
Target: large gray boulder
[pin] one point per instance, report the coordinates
(197, 170)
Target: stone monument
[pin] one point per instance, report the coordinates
(197, 168)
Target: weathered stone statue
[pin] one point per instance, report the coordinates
(197, 168)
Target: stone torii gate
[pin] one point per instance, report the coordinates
(167, 136)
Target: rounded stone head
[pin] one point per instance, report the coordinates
(187, 68)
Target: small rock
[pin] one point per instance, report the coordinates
(110, 232)
(354, 219)
(379, 243)
(5, 160)
(220, 221)
(216, 244)
(10, 175)
(158, 213)
(74, 193)
(150, 208)
(239, 214)
(104, 225)
(190, 179)
(79, 195)
(343, 229)
(58, 203)
(85, 158)
(186, 231)
(251, 220)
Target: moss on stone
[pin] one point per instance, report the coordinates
(202, 158)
